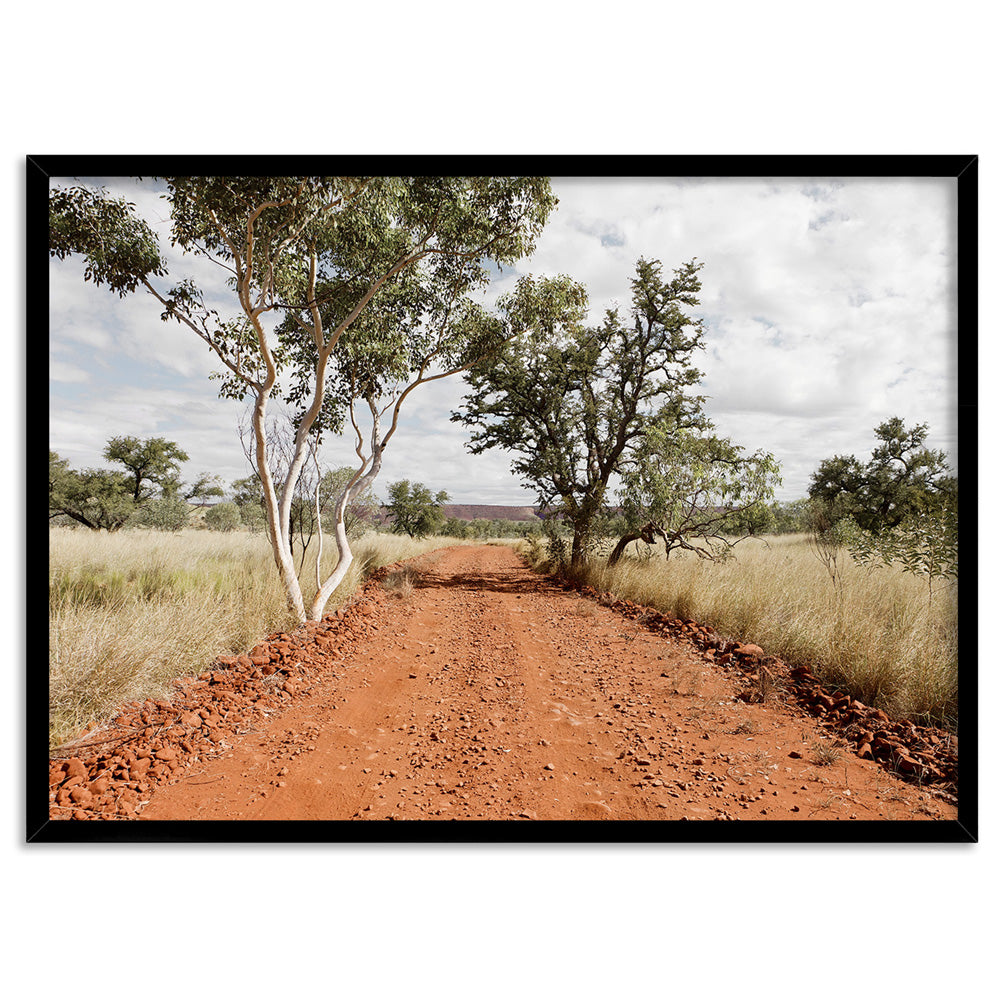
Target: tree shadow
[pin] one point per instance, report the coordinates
(500, 583)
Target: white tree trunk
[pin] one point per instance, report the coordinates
(277, 524)
(344, 554)
(345, 558)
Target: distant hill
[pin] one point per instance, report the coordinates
(489, 512)
(486, 511)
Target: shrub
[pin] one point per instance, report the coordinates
(164, 514)
(223, 517)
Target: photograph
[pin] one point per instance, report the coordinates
(507, 499)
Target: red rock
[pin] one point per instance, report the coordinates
(76, 772)
(749, 649)
(80, 795)
(865, 750)
(99, 785)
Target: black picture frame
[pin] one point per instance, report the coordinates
(964, 168)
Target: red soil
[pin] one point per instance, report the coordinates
(493, 693)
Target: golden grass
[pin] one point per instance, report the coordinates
(877, 635)
(131, 611)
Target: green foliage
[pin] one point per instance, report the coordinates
(96, 498)
(346, 290)
(829, 530)
(249, 499)
(169, 513)
(155, 460)
(119, 249)
(789, 518)
(901, 479)
(319, 250)
(692, 489)
(99, 498)
(252, 516)
(205, 486)
(414, 510)
(573, 402)
(926, 543)
(246, 491)
(223, 517)
(454, 527)
(557, 549)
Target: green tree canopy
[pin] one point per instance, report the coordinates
(692, 490)
(96, 498)
(166, 513)
(205, 485)
(574, 402)
(223, 517)
(369, 283)
(155, 461)
(414, 510)
(901, 478)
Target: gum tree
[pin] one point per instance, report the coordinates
(348, 293)
(414, 510)
(902, 478)
(156, 461)
(689, 489)
(95, 498)
(574, 402)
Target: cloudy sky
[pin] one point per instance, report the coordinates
(829, 306)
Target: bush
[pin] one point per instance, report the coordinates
(223, 517)
(164, 514)
(252, 516)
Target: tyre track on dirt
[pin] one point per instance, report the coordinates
(493, 693)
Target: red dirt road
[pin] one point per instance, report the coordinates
(493, 693)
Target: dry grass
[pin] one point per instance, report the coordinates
(129, 612)
(824, 754)
(399, 583)
(876, 635)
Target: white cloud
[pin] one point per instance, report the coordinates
(829, 305)
(60, 371)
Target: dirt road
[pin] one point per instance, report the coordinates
(490, 692)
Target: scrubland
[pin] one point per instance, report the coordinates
(130, 611)
(878, 633)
